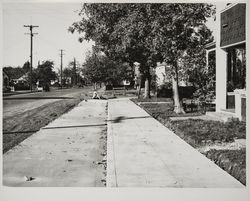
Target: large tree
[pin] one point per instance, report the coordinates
(120, 31)
(202, 78)
(74, 71)
(181, 31)
(45, 73)
(92, 69)
(26, 66)
(147, 33)
(98, 68)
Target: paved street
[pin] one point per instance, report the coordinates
(16, 106)
(141, 152)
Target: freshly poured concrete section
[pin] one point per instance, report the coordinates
(144, 153)
(141, 153)
(65, 153)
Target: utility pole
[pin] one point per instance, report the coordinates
(31, 49)
(61, 54)
(74, 71)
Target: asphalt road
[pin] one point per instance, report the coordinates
(21, 102)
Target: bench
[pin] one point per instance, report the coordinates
(119, 89)
(39, 88)
(191, 105)
(196, 105)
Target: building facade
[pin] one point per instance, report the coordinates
(231, 60)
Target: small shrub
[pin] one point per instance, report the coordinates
(22, 86)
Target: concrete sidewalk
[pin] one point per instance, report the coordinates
(144, 153)
(65, 153)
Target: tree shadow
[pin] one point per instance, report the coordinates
(121, 118)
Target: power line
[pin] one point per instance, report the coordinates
(31, 49)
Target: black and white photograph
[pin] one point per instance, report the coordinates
(124, 94)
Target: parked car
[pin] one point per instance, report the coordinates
(39, 88)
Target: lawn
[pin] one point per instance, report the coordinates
(163, 110)
(200, 133)
(232, 161)
(153, 99)
(204, 132)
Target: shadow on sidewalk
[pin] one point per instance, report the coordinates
(75, 126)
(120, 118)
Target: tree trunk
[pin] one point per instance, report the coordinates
(178, 109)
(139, 89)
(147, 85)
(147, 91)
(95, 86)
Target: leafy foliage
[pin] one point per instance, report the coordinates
(146, 33)
(201, 76)
(26, 66)
(73, 71)
(117, 29)
(44, 73)
(99, 68)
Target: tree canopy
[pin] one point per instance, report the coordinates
(100, 68)
(26, 66)
(44, 72)
(146, 32)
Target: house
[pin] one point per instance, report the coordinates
(137, 74)
(161, 74)
(6, 80)
(23, 79)
(230, 49)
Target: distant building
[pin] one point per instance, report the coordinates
(137, 74)
(161, 74)
(6, 80)
(23, 79)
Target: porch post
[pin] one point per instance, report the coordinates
(221, 67)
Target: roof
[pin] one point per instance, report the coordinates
(210, 45)
(5, 74)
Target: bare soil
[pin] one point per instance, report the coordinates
(33, 120)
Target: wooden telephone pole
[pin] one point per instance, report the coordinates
(74, 72)
(61, 54)
(31, 49)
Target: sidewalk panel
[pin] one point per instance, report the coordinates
(147, 154)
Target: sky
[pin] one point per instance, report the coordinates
(53, 20)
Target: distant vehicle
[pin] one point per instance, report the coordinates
(42, 86)
(126, 82)
(39, 88)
